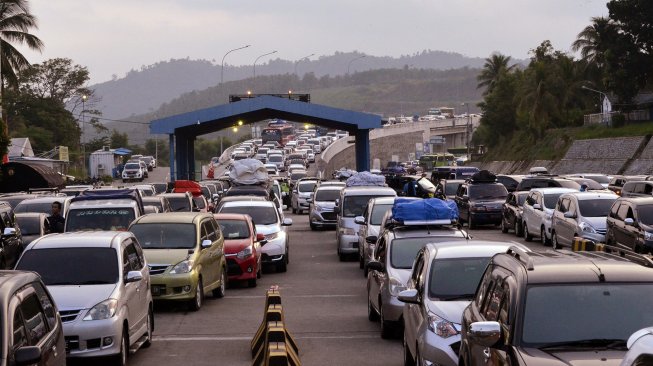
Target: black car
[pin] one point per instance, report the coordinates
(546, 181)
(31, 325)
(630, 224)
(480, 201)
(11, 241)
(512, 210)
(510, 181)
(550, 308)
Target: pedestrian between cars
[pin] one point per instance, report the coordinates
(55, 223)
(583, 187)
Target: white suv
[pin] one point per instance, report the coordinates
(537, 211)
(132, 172)
(101, 285)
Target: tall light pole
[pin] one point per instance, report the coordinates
(352, 60)
(263, 55)
(467, 129)
(225, 55)
(84, 97)
(601, 96)
(300, 60)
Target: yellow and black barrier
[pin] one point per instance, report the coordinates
(272, 344)
(586, 245)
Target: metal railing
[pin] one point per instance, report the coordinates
(606, 118)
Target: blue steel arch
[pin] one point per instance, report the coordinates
(182, 129)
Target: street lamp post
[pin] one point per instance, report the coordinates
(601, 96)
(467, 129)
(302, 59)
(84, 97)
(255, 61)
(357, 58)
(223, 57)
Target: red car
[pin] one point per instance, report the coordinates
(242, 247)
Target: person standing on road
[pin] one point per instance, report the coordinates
(55, 220)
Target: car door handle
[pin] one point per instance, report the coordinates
(486, 354)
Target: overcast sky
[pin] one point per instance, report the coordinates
(114, 36)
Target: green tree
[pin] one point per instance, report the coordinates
(635, 18)
(595, 39)
(494, 66)
(15, 24)
(499, 120)
(118, 139)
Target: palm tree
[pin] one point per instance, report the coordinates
(594, 40)
(494, 66)
(15, 23)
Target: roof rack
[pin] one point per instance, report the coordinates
(392, 223)
(631, 255)
(522, 256)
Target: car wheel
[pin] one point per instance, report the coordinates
(251, 282)
(504, 228)
(372, 315)
(196, 302)
(387, 329)
(293, 210)
(121, 358)
(543, 238)
(3, 263)
(408, 357)
(554, 240)
(527, 235)
(313, 227)
(282, 265)
(150, 329)
(222, 289)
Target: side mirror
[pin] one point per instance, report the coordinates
(286, 222)
(371, 239)
(360, 220)
(206, 243)
(537, 207)
(486, 334)
(27, 355)
(570, 215)
(336, 210)
(9, 231)
(133, 276)
(216, 196)
(284, 207)
(309, 200)
(375, 266)
(628, 221)
(409, 296)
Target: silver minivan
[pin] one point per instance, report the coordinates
(582, 214)
(352, 203)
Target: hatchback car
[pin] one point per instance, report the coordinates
(100, 283)
(582, 214)
(31, 326)
(185, 252)
(443, 282)
(538, 210)
(242, 247)
(630, 224)
(179, 202)
(269, 222)
(302, 191)
(321, 206)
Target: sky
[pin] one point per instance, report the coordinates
(112, 37)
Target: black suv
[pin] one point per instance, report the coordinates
(31, 326)
(630, 224)
(546, 181)
(11, 242)
(480, 202)
(557, 308)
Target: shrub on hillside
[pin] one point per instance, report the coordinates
(618, 120)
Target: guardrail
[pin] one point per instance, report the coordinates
(272, 345)
(606, 118)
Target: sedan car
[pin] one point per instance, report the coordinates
(32, 225)
(242, 247)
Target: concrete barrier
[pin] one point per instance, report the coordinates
(273, 345)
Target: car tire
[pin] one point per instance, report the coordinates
(121, 357)
(196, 302)
(554, 240)
(220, 291)
(313, 227)
(408, 357)
(527, 235)
(282, 266)
(372, 315)
(150, 329)
(387, 328)
(361, 261)
(293, 209)
(251, 282)
(518, 229)
(504, 228)
(124, 181)
(543, 238)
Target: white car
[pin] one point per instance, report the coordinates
(100, 282)
(277, 159)
(271, 168)
(311, 158)
(640, 348)
(294, 167)
(133, 172)
(537, 212)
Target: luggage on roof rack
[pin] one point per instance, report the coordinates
(363, 179)
(483, 176)
(429, 211)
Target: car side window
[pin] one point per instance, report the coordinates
(379, 253)
(20, 334)
(504, 309)
(538, 199)
(126, 264)
(46, 304)
(34, 317)
(564, 205)
(134, 260)
(494, 303)
(630, 214)
(571, 206)
(622, 212)
(204, 233)
(484, 286)
(417, 272)
(614, 209)
(216, 229)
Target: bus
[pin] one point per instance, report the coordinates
(430, 161)
(279, 131)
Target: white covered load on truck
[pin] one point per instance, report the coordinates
(248, 172)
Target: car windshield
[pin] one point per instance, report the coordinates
(450, 189)
(403, 251)
(295, 176)
(234, 229)
(327, 195)
(595, 208)
(275, 158)
(455, 278)
(550, 199)
(132, 166)
(645, 214)
(378, 211)
(306, 187)
(156, 204)
(261, 215)
(601, 179)
(521, 198)
(355, 205)
(29, 225)
(72, 266)
(199, 202)
(99, 219)
(575, 309)
(26, 206)
(179, 204)
(167, 235)
(487, 191)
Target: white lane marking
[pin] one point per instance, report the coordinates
(217, 338)
(287, 296)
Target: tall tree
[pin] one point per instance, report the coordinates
(595, 39)
(635, 17)
(15, 24)
(492, 69)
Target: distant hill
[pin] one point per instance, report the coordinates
(145, 90)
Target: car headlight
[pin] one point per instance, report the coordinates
(442, 327)
(587, 228)
(104, 310)
(245, 253)
(318, 207)
(347, 231)
(396, 286)
(272, 236)
(182, 267)
(648, 235)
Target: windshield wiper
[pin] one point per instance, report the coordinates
(456, 297)
(597, 342)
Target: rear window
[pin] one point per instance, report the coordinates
(132, 166)
(595, 208)
(165, 235)
(29, 225)
(72, 266)
(275, 158)
(456, 278)
(234, 229)
(261, 215)
(487, 191)
(306, 187)
(450, 189)
(355, 205)
(99, 219)
(26, 206)
(327, 195)
(179, 204)
(295, 176)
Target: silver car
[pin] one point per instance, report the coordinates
(321, 206)
(390, 269)
(302, 191)
(640, 348)
(101, 284)
(581, 214)
(442, 284)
